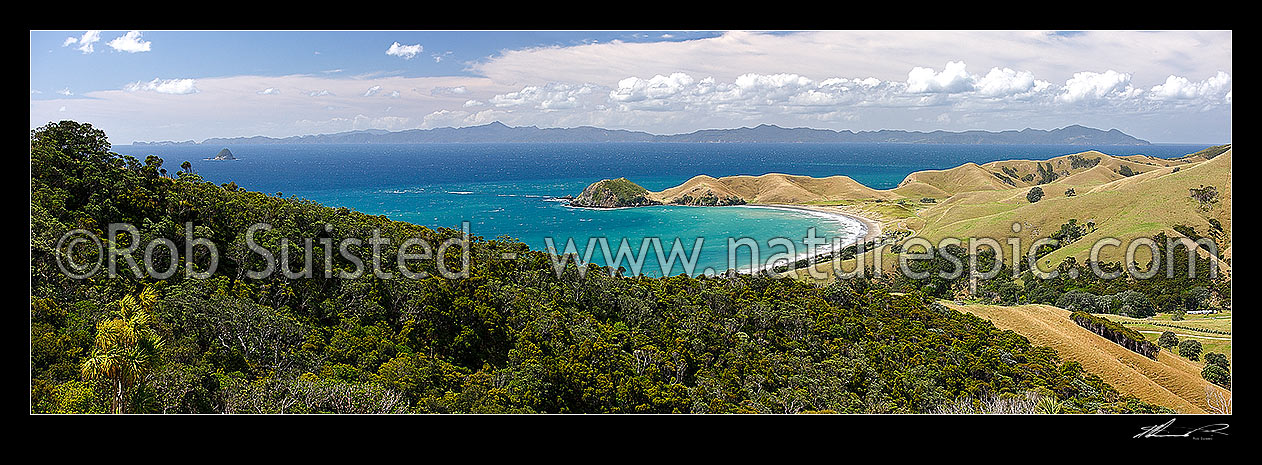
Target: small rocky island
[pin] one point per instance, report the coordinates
(618, 193)
(224, 154)
(614, 193)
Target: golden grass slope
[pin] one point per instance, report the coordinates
(1086, 168)
(964, 178)
(774, 188)
(1094, 176)
(986, 200)
(1169, 381)
(1125, 208)
(1082, 170)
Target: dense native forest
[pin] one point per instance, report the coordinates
(510, 337)
(1076, 286)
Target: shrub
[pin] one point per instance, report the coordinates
(1047, 174)
(1115, 332)
(1215, 358)
(1217, 375)
(1168, 340)
(1206, 195)
(1134, 304)
(1035, 194)
(1070, 192)
(1130, 303)
(1078, 161)
(1079, 301)
(1190, 348)
(1197, 298)
(1070, 232)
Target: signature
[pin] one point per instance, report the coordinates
(1203, 432)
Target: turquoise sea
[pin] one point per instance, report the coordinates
(507, 189)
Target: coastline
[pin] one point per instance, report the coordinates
(872, 228)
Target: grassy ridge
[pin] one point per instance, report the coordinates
(1142, 205)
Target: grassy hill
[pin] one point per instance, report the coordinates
(774, 188)
(941, 183)
(1171, 381)
(972, 201)
(1125, 208)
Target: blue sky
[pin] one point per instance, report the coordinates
(208, 54)
(1164, 86)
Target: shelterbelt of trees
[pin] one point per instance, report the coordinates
(510, 337)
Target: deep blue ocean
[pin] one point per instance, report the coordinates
(503, 189)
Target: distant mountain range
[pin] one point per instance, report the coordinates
(499, 133)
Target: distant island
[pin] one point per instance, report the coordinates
(500, 133)
(224, 154)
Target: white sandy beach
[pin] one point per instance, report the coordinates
(871, 229)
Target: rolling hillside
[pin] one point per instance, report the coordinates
(1122, 207)
(973, 202)
(1124, 197)
(774, 188)
(1169, 381)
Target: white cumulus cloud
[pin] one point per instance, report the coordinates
(1088, 85)
(1181, 88)
(269, 91)
(372, 91)
(634, 89)
(130, 42)
(407, 52)
(165, 86)
(747, 93)
(1000, 82)
(952, 79)
(449, 91)
(552, 96)
(85, 42)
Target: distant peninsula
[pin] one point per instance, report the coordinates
(500, 133)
